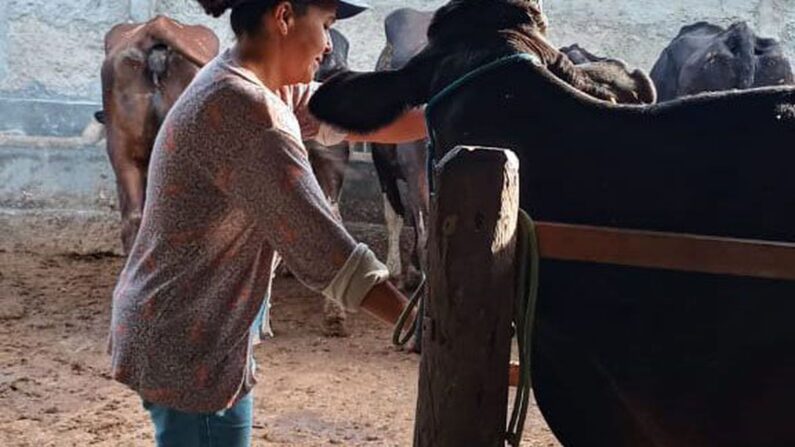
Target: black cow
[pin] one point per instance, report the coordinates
(406, 31)
(329, 163)
(704, 57)
(406, 35)
(622, 356)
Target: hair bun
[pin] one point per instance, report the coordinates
(218, 7)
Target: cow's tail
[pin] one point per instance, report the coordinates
(740, 40)
(157, 63)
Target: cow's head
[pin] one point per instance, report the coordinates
(463, 35)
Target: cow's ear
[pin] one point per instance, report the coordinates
(364, 102)
(644, 87)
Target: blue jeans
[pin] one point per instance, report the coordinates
(262, 327)
(226, 428)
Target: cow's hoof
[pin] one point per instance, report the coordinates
(335, 328)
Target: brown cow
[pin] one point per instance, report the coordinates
(147, 66)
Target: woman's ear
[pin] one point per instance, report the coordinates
(284, 16)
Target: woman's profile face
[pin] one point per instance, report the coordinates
(307, 41)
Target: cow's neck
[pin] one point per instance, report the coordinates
(477, 50)
(530, 40)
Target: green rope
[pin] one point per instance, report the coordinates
(527, 263)
(451, 89)
(401, 323)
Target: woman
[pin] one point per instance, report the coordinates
(229, 185)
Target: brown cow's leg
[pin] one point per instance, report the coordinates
(131, 127)
(131, 187)
(130, 183)
(134, 178)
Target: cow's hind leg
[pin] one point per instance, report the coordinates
(394, 226)
(130, 185)
(131, 127)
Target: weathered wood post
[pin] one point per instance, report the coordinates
(463, 384)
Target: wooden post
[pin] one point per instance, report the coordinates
(463, 384)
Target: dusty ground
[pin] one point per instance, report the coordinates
(313, 391)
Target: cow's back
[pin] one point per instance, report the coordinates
(147, 66)
(675, 138)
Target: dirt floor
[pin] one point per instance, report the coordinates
(314, 391)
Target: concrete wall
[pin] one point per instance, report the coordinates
(51, 51)
(53, 48)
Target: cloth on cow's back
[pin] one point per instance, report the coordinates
(229, 184)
